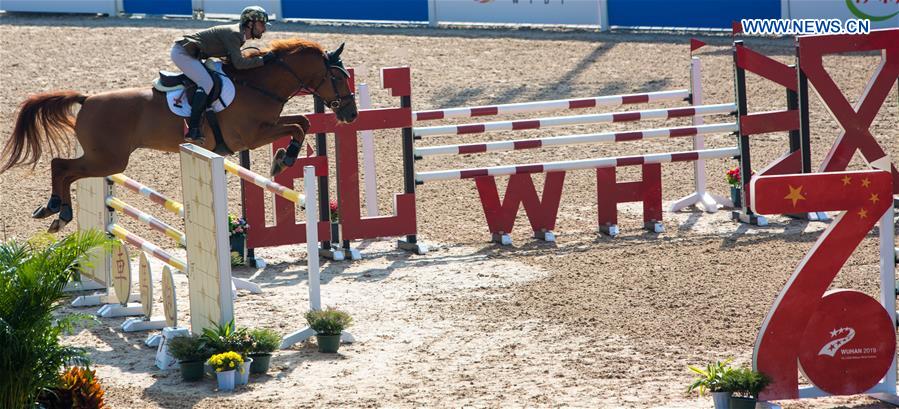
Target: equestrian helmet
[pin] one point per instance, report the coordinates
(253, 13)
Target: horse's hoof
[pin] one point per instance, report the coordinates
(278, 164)
(43, 212)
(56, 226)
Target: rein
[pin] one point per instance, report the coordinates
(337, 103)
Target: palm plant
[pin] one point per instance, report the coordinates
(32, 277)
(711, 378)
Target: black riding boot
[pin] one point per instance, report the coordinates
(197, 106)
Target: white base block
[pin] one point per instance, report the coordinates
(611, 230)
(164, 360)
(503, 239)
(118, 310)
(417, 248)
(334, 254)
(545, 235)
(142, 324)
(99, 299)
(153, 340)
(248, 285)
(85, 285)
(306, 333)
(707, 202)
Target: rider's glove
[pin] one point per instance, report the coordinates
(269, 56)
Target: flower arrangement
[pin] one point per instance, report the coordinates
(733, 177)
(237, 226)
(332, 206)
(226, 361)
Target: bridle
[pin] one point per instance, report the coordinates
(339, 101)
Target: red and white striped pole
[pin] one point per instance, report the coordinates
(577, 164)
(550, 122)
(551, 106)
(519, 144)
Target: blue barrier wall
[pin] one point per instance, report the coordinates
(398, 10)
(689, 13)
(158, 7)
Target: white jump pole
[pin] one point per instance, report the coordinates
(700, 197)
(368, 157)
(312, 263)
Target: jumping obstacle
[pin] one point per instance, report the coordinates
(204, 159)
(542, 212)
(97, 201)
(842, 341)
(285, 229)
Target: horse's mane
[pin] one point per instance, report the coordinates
(287, 46)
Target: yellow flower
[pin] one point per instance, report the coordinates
(232, 365)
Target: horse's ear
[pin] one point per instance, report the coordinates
(336, 53)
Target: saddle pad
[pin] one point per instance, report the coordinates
(177, 99)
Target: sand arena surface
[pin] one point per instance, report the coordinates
(587, 322)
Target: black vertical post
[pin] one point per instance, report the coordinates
(745, 157)
(793, 104)
(245, 162)
(408, 162)
(804, 131)
(321, 149)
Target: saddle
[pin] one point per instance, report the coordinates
(179, 91)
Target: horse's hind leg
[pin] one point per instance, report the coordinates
(64, 172)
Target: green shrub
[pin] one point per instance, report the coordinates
(189, 349)
(745, 382)
(32, 278)
(265, 341)
(329, 321)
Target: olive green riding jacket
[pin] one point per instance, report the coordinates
(220, 41)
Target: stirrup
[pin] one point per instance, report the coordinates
(195, 137)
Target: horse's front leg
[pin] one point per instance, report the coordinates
(284, 158)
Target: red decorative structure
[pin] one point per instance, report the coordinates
(521, 191)
(352, 226)
(610, 192)
(843, 341)
(855, 120)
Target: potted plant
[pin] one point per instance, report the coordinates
(712, 378)
(745, 386)
(736, 188)
(328, 324)
(229, 338)
(265, 341)
(225, 366)
(237, 233)
(242, 343)
(191, 353)
(334, 215)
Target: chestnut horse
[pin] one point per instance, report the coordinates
(111, 125)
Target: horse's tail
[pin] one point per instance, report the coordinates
(44, 120)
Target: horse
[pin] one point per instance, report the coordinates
(111, 125)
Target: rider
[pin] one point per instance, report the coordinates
(219, 41)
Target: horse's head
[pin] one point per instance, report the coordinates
(342, 99)
(324, 75)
